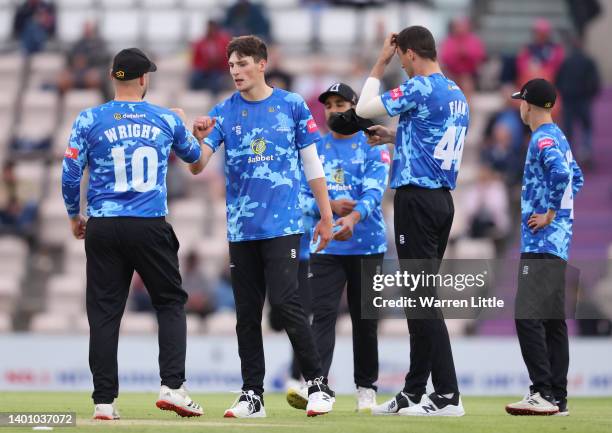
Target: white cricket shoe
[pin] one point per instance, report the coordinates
(392, 407)
(427, 407)
(247, 405)
(297, 394)
(321, 398)
(532, 404)
(107, 412)
(178, 401)
(366, 399)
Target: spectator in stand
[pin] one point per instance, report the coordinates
(461, 54)
(223, 289)
(201, 299)
(16, 218)
(34, 24)
(276, 75)
(247, 18)
(504, 139)
(87, 63)
(486, 206)
(578, 83)
(542, 57)
(209, 61)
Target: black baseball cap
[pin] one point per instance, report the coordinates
(538, 92)
(130, 64)
(341, 89)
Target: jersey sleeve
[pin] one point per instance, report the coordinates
(577, 177)
(75, 161)
(185, 145)
(215, 138)
(405, 97)
(556, 170)
(375, 178)
(307, 131)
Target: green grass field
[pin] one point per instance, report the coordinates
(139, 414)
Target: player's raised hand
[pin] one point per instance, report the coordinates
(180, 113)
(202, 126)
(379, 134)
(343, 206)
(78, 225)
(389, 48)
(323, 231)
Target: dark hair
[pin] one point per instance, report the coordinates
(248, 46)
(418, 39)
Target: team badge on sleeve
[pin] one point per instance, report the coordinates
(311, 125)
(545, 142)
(385, 157)
(396, 93)
(71, 153)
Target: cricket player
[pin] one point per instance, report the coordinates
(357, 176)
(126, 144)
(551, 180)
(433, 122)
(267, 134)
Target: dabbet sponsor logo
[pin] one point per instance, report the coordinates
(258, 146)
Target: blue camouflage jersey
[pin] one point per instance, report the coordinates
(551, 180)
(355, 171)
(262, 165)
(126, 146)
(433, 122)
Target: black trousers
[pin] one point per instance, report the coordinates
(115, 247)
(423, 219)
(330, 273)
(306, 301)
(276, 318)
(271, 263)
(542, 332)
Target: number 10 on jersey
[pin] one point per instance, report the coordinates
(450, 147)
(139, 156)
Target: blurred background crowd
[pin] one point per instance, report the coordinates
(54, 61)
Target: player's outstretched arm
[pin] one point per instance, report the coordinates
(380, 135)
(323, 229)
(313, 169)
(202, 127)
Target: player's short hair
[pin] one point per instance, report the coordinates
(418, 39)
(248, 46)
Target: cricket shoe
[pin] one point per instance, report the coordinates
(297, 394)
(366, 399)
(247, 405)
(321, 398)
(532, 404)
(435, 405)
(563, 409)
(178, 401)
(393, 406)
(107, 412)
